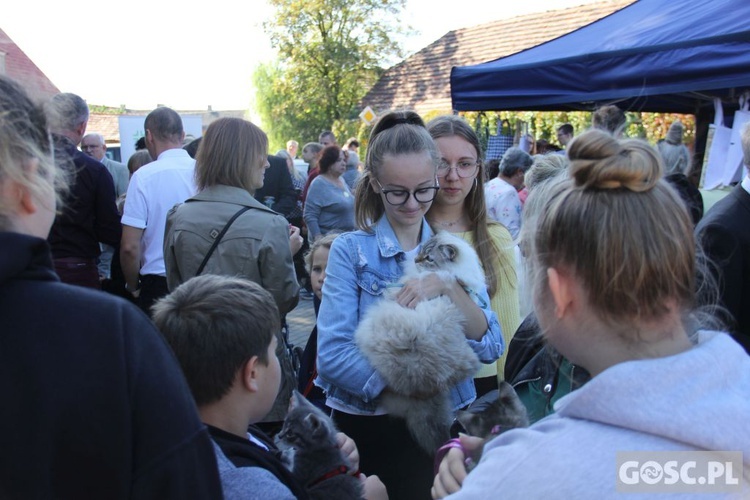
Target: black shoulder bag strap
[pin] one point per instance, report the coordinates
(218, 239)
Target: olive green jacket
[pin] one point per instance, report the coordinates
(255, 247)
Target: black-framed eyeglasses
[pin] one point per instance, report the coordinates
(464, 168)
(398, 197)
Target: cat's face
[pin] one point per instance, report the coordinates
(437, 253)
(503, 413)
(306, 426)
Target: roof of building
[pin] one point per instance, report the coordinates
(422, 81)
(19, 67)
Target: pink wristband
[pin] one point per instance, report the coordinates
(443, 450)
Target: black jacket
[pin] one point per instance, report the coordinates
(724, 234)
(94, 403)
(278, 185)
(89, 213)
(244, 453)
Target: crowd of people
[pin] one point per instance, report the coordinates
(613, 306)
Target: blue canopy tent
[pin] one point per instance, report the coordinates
(653, 55)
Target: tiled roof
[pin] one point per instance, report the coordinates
(422, 81)
(107, 124)
(19, 67)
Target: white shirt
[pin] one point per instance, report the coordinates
(746, 183)
(154, 189)
(503, 205)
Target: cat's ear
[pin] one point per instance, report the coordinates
(315, 424)
(448, 251)
(296, 400)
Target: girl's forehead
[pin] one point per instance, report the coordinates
(320, 254)
(407, 169)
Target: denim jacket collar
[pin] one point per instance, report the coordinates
(388, 244)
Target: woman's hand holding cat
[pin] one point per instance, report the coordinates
(452, 470)
(349, 449)
(425, 287)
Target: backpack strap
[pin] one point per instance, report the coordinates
(218, 239)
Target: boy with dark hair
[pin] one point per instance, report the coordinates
(222, 331)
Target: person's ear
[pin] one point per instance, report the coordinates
(560, 286)
(249, 374)
(374, 185)
(81, 130)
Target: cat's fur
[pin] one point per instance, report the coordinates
(310, 451)
(422, 352)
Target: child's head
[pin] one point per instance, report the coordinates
(215, 326)
(310, 152)
(316, 261)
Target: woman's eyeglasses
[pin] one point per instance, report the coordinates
(464, 168)
(398, 197)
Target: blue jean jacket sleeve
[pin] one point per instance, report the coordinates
(340, 362)
(491, 346)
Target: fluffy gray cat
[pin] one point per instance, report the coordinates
(310, 451)
(422, 352)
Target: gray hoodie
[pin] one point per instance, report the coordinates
(696, 400)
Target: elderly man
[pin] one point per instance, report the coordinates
(291, 148)
(93, 145)
(724, 234)
(152, 192)
(89, 214)
(501, 193)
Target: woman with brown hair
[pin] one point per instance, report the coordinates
(329, 205)
(460, 208)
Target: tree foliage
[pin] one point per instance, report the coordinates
(330, 53)
(544, 124)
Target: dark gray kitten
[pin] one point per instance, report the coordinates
(310, 451)
(491, 415)
(494, 413)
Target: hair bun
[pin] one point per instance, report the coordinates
(599, 161)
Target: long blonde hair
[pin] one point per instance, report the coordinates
(26, 155)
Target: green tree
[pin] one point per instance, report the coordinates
(330, 52)
(543, 124)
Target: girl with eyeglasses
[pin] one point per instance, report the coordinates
(397, 188)
(460, 208)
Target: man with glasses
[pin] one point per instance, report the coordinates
(94, 146)
(501, 193)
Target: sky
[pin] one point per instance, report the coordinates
(142, 53)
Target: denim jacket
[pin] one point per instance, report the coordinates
(360, 266)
